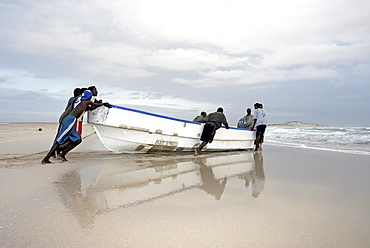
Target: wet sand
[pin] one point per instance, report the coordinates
(282, 197)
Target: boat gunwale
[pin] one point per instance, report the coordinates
(169, 118)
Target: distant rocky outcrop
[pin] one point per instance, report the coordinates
(296, 124)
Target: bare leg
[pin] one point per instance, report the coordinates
(197, 151)
(62, 147)
(50, 153)
(261, 142)
(56, 151)
(62, 154)
(257, 143)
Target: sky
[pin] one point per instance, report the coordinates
(305, 60)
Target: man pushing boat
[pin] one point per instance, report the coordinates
(213, 122)
(67, 134)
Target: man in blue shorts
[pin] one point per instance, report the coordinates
(67, 134)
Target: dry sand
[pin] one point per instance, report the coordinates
(283, 197)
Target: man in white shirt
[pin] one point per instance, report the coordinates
(260, 122)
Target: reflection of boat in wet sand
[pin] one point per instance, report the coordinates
(122, 129)
(109, 185)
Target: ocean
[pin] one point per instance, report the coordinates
(355, 140)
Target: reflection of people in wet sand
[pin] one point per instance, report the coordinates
(256, 177)
(81, 206)
(210, 184)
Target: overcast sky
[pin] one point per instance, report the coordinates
(305, 60)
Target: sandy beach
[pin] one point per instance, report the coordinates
(281, 197)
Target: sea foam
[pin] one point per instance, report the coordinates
(354, 140)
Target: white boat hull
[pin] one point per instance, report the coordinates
(132, 131)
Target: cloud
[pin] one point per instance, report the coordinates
(319, 55)
(192, 59)
(123, 39)
(114, 71)
(178, 54)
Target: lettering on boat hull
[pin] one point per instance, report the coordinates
(164, 145)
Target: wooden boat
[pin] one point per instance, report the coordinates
(127, 130)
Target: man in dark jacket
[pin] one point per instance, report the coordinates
(213, 122)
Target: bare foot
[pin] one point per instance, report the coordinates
(196, 153)
(61, 157)
(46, 162)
